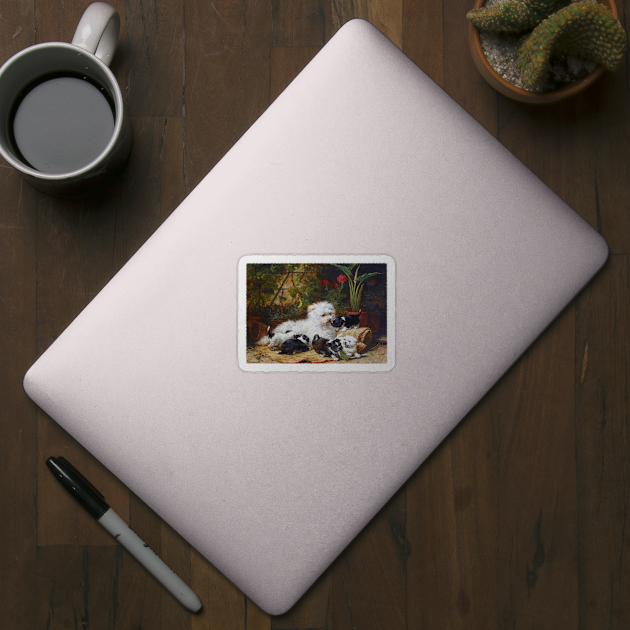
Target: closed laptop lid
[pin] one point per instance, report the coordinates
(270, 468)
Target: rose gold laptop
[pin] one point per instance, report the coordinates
(364, 178)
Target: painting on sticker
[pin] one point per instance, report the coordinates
(326, 312)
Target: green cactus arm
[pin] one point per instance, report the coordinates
(583, 29)
(513, 16)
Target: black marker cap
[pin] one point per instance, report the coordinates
(78, 486)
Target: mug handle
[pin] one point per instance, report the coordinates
(98, 30)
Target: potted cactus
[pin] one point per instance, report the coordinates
(549, 38)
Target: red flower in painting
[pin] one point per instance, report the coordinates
(325, 283)
(336, 285)
(341, 279)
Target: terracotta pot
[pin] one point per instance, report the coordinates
(518, 94)
(256, 327)
(374, 321)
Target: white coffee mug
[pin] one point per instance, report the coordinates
(62, 114)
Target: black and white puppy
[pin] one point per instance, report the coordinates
(327, 348)
(346, 322)
(299, 343)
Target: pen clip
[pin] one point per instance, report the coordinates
(65, 463)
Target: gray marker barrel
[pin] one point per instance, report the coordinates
(149, 559)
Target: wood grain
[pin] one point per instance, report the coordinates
(224, 606)
(369, 577)
(461, 79)
(76, 587)
(154, 57)
(18, 416)
(152, 605)
(285, 64)
(226, 78)
(602, 382)
(386, 15)
(61, 520)
(452, 526)
(518, 520)
(18, 325)
(313, 609)
(305, 23)
(537, 537)
(422, 36)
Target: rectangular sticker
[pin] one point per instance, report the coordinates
(316, 313)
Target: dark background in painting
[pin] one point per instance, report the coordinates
(283, 291)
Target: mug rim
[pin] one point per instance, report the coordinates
(118, 122)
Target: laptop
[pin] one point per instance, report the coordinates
(364, 188)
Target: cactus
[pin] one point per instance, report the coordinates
(513, 16)
(583, 29)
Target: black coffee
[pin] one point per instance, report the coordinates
(62, 123)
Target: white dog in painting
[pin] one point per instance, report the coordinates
(318, 321)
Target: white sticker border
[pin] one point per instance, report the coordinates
(336, 366)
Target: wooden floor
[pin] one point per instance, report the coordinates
(518, 520)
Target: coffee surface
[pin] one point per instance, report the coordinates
(62, 124)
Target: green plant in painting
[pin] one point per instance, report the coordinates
(355, 283)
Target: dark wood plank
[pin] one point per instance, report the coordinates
(152, 185)
(603, 444)
(226, 78)
(452, 527)
(369, 588)
(74, 250)
(60, 519)
(57, 22)
(537, 510)
(570, 146)
(608, 128)
(171, 158)
(76, 587)
(224, 606)
(154, 57)
(313, 610)
(575, 147)
(143, 601)
(18, 416)
(422, 36)
(17, 27)
(386, 15)
(304, 23)
(558, 147)
(461, 78)
(285, 64)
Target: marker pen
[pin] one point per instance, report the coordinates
(94, 502)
